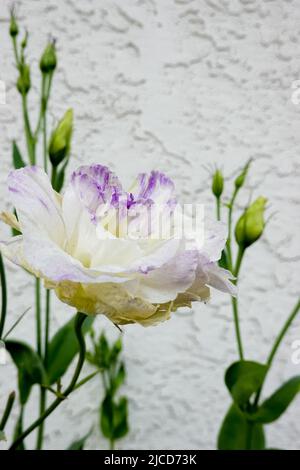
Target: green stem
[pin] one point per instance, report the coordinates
(237, 327)
(7, 410)
(239, 259)
(28, 134)
(250, 425)
(3, 295)
(228, 243)
(38, 316)
(40, 433)
(47, 326)
(16, 52)
(235, 306)
(218, 200)
(277, 343)
(80, 317)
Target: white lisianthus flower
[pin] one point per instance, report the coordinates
(97, 247)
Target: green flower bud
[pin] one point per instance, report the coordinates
(251, 224)
(48, 60)
(24, 42)
(217, 183)
(13, 27)
(239, 181)
(60, 141)
(23, 82)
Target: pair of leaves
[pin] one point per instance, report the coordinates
(62, 349)
(242, 426)
(114, 417)
(245, 378)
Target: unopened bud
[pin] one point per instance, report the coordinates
(239, 181)
(217, 183)
(23, 82)
(24, 42)
(60, 141)
(48, 60)
(13, 27)
(251, 224)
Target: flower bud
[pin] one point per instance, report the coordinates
(251, 224)
(13, 27)
(23, 82)
(48, 60)
(217, 183)
(239, 181)
(24, 42)
(60, 140)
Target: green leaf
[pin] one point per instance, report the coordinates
(115, 351)
(15, 232)
(244, 378)
(272, 408)
(17, 158)
(30, 368)
(106, 416)
(63, 348)
(2, 436)
(114, 417)
(237, 433)
(120, 419)
(80, 443)
(120, 377)
(103, 352)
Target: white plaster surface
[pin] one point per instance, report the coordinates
(174, 85)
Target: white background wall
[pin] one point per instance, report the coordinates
(174, 85)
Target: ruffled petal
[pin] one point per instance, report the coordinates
(165, 283)
(37, 205)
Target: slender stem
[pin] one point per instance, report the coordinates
(80, 317)
(240, 256)
(28, 134)
(4, 296)
(277, 343)
(235, 306)
(282, 333)
(7, 410)
(38, 316)
(237, 327)
(218, 201)
(47, 326)
(87, 378)
(16, 52)
(40, 433)
(228, 243)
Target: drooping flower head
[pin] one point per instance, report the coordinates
(108, 251)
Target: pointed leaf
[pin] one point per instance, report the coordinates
(106, 417)
(17, 158)
(237, 433)
(63, 348)
(272, 408)
(30, 368)
(243, 379)
(120, 419)
(80, 443)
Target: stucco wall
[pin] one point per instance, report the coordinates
(175, 85)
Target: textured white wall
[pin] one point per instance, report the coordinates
(175, 85)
